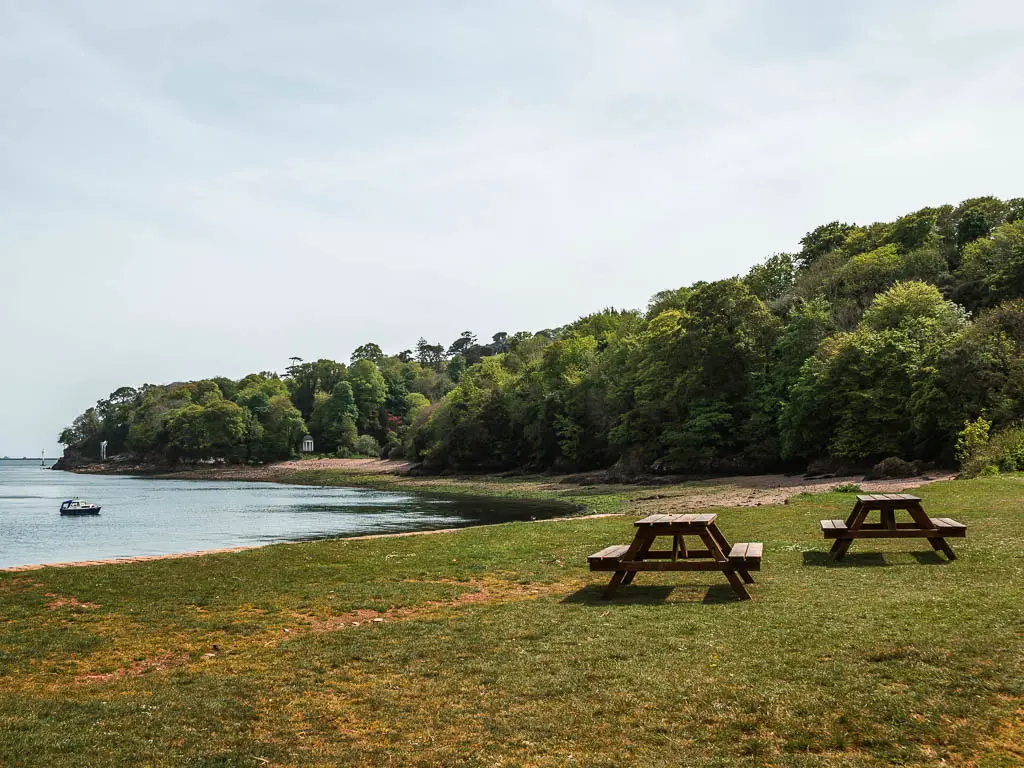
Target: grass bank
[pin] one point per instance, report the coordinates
(491, 646)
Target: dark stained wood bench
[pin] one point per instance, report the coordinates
(747, 555)
(935, 529)
(626, 560)
(612, 554)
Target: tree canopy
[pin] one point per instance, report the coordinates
(870, 341)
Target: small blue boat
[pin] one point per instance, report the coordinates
(76, 506)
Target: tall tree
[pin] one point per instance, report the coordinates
(432, 355)
(370, 392)
(821, 240)
(368, 351)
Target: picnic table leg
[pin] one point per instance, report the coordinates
(613, 585)
(723, 542)
(719, 537)
(839, 551)
(940, 545)
(920, 517)
(925, 523)
(641, 553)
(889, 519)
(730, 573)
(853, 515)
(854, 522)
(737, 585)
(641, 543)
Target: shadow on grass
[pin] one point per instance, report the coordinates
(721, 593)
(929, 558)
(593, 595)
(869, 560)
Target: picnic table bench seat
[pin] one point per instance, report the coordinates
(944, 527)
(832, 528)
(747, 555)
(610, 554)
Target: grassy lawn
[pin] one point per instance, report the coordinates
(492, 647)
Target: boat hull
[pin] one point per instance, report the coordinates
(80, 512)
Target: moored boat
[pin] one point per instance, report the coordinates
(76, 506)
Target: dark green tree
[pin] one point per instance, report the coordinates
(369, 351)
(821, 240)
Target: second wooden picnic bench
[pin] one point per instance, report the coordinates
(935, 529)
(736, 561)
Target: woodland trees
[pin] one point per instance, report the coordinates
(870, 341)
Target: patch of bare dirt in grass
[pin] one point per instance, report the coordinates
(488, 591)
(17, 584)
(480, 591)
(1006, 743)
(136, 668)
(61, 601)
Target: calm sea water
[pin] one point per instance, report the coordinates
(142, 516)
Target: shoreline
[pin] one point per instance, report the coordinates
(589, 491)
(384, 474)
(247, 547)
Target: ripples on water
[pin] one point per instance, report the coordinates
(143, 516)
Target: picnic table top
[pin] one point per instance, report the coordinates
(889, 497)
(683, 519)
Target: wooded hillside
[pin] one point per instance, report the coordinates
(900, 339)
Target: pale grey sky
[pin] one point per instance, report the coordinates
(191, 188)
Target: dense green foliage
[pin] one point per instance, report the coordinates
(348, 409)
(981, 452)
(871, 341)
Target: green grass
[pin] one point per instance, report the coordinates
(495, 649)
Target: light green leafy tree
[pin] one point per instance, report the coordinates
(995, 264)
(370, 392)
(855, 398)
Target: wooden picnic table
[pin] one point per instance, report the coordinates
(935, 529)
(735, 561)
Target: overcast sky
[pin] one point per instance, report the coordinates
(191, 188)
